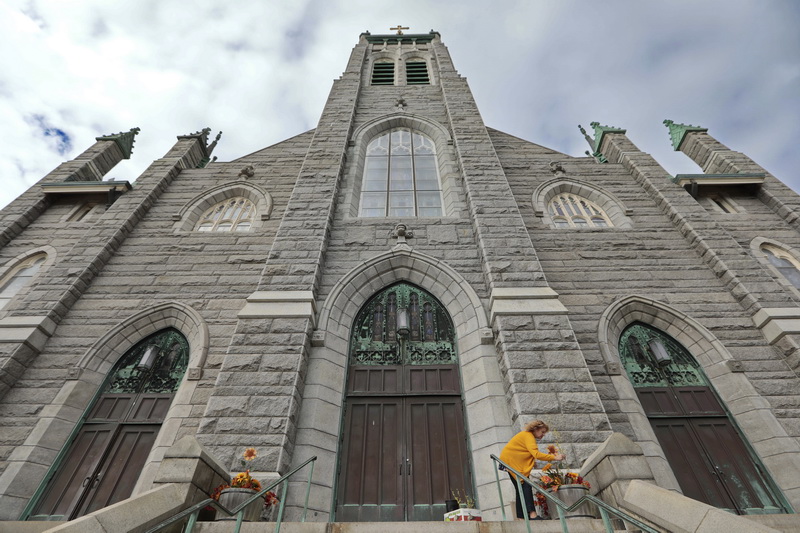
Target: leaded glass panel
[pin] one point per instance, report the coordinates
(378, 340)
(578, 212)
(400, 160)
(154, 365)
(638, 345)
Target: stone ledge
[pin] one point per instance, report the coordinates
(279, 304)
(679, 514)
(32, 330)
(777, 322)
(525, 301)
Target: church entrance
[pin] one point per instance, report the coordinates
(106, 456)
(404, 444)
(710, 459)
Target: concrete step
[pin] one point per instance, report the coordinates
(576, 525)
(781, 522)
(28, 527)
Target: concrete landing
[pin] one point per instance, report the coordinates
(576, 525)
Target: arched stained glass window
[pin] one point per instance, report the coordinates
(233, 214)
(401, 176)
(403, 325)
(571, 211)
(653, 359)
(19, 277)
(783, 263)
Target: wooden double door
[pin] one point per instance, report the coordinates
(104, 461)
(708, 456)
(404, 446)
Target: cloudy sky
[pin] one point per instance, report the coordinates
(71, 70)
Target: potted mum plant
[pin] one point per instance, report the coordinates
(242, 487)
(567, 486)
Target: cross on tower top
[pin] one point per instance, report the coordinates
(399, 29)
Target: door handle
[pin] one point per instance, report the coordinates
(408, 467)
(86, 481)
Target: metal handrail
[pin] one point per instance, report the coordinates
(604, 508)
(193, 511)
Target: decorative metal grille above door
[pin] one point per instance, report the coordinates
(106, 456)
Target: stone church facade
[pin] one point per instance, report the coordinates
(397, 292)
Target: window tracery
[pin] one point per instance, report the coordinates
(572, 211)
(233, 214)
(401, 176)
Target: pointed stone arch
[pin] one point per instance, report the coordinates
(745, 405)
(488, 421)
(50, 434)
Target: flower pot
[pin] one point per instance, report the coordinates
(207, 515)
(233, 497)
(569, 494)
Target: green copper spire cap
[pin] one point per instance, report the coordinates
(677, 132)
(599, 131)
(124, 140)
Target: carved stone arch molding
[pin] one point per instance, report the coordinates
(607, 201)
(778, 451)
(189, 215)
(488, 421)
(30, 462)
(452, 193)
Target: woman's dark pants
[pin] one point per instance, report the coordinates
(527, 493)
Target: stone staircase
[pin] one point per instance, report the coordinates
(577, 525)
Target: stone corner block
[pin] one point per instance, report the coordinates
(32, 330)
(525, 301)
(777, 322)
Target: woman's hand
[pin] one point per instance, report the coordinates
(559, 457)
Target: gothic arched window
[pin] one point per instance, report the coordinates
(784, 263)
(401, 176)
(233, 214)
(19, 277)
(571, 211)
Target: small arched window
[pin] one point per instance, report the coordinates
(19, 277)
(401, 176)
(233, 214)
(571, 211)
(784, 263)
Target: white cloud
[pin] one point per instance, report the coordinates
(261, 72)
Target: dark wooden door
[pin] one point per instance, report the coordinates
(436, 455)
(706, 452)
(404, 447)
(105, 459)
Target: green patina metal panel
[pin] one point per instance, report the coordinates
(378, 340)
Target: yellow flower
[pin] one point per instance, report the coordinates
(250, 454)
(546, 467)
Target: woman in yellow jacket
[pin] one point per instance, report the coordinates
(521, 453)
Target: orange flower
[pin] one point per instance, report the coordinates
(552, 449)
(250, 454)
(546, 467)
